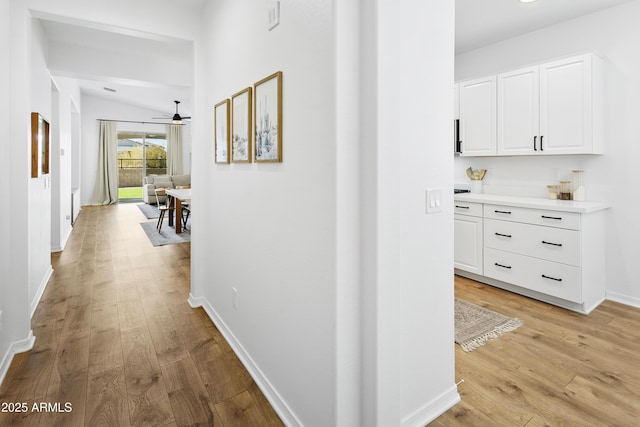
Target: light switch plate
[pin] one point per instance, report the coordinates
(434, 200)
(273, 15)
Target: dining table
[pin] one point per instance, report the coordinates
(179, 195)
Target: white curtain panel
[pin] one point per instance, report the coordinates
(174, 149)
(106, 189)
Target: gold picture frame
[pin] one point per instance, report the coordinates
(241, 136)
(267, 119)
(222, 136)
(40, 145)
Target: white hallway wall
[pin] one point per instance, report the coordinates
(5, 182)
(614, 34)
(69, 99)
(272, 232)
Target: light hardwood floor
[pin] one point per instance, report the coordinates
(559, 369)
(117, 340)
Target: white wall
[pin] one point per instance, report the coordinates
(410, 266)
(269, 229)
(94, 108)
(68, 101)
(613, 33)
(272, 229)
(16, 274)
(39, 212)
(5, 182)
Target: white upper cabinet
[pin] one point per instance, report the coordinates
(571, 106)
(518, 106)
(478, 117)
(551, 108)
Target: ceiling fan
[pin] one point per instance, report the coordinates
(176, 118)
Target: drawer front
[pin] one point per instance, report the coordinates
(552, 244)
(551, 278)
(467, 208)
(568, 220)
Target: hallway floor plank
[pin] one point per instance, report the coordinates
(117, 344)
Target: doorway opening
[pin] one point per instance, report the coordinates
(139, 154)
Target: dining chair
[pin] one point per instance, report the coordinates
(186, 208)
(163, 208)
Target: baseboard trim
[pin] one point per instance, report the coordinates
(40, 291)
(279, 405)
(433, 409)
(623, 299)
(15, 348)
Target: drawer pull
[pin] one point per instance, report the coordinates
(503, 235)
(551, 278)
(503, 212)
(503, 266)
(462, 207)
(552, 244)
(559, 218)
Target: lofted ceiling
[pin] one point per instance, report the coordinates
(483, 22)
(127, 87)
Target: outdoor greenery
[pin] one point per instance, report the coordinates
(130, 193)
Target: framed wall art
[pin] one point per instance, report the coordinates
(221, 135)
(267, 117)
(241, 136)
(39, 145)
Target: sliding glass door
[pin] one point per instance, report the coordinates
(139, 155)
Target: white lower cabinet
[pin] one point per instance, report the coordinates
(551, 255)
(468, 237)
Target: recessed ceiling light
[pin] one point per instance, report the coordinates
(527, 1)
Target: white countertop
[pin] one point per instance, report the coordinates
(532, 202)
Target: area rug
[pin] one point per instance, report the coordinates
(476, 325)
(150, 211)
(166, 236)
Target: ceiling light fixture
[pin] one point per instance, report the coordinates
(527, 1)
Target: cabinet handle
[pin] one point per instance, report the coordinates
(559, 218)
(553, 244)
(503, 266)
(503, 235)
(535, 147)
(541, 136)
(462, 207)
(503, 212)
(551, 278)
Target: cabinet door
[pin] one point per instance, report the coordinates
(478, 117)
(565, 106)
(518, 118)
(468, 243)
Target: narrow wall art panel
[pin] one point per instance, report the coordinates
(267, 118)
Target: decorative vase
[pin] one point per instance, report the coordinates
(476, 186)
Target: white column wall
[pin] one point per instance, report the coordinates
(408, 255)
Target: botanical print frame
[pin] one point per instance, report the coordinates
(221, 133)
(267, 119)
(39, 145)
(241, 136)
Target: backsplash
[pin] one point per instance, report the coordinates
(529, 176)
